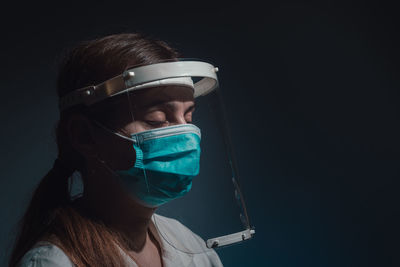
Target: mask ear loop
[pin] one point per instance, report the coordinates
(96, 157)
(138, 143)
(111, 171)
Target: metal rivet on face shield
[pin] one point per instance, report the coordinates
(216, 69)
(88, 92)
(131, 74)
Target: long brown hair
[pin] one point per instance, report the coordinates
(51, 215)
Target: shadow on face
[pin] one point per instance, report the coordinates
(138, 111)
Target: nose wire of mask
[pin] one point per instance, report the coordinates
(167, 159)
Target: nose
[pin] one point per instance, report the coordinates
(179, 112)
(178, 118)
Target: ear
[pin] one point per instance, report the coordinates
(81, 135)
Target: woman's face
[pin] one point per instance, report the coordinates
(139, 111)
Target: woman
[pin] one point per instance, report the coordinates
(108, 225)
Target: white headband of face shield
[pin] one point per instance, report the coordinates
(181, 81)
(159, 74)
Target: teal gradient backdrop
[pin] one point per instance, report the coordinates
(311, 91)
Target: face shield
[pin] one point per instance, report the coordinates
(172, 116)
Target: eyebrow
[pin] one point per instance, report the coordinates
(171, 106)
(168, 105)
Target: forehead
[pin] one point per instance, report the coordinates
(118, 110)
(142, 99)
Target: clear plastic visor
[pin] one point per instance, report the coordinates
(178, 157)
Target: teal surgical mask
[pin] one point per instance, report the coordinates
(167, 159)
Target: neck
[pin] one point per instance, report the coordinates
(106, 200)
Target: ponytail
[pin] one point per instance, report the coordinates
(51, 193)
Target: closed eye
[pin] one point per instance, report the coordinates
(155, 123)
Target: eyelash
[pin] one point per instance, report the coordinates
(156, 123)
(161, 123)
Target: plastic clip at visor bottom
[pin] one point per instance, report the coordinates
(230, 239)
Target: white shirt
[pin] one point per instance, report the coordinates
(175, 235)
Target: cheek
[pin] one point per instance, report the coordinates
(189, 117)
(140, 126)
(135, 127)
(117, 152)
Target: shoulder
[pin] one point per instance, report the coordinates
(177, 238)
(45, 254)
(176, 231)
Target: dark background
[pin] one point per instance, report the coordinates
(312, 95)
